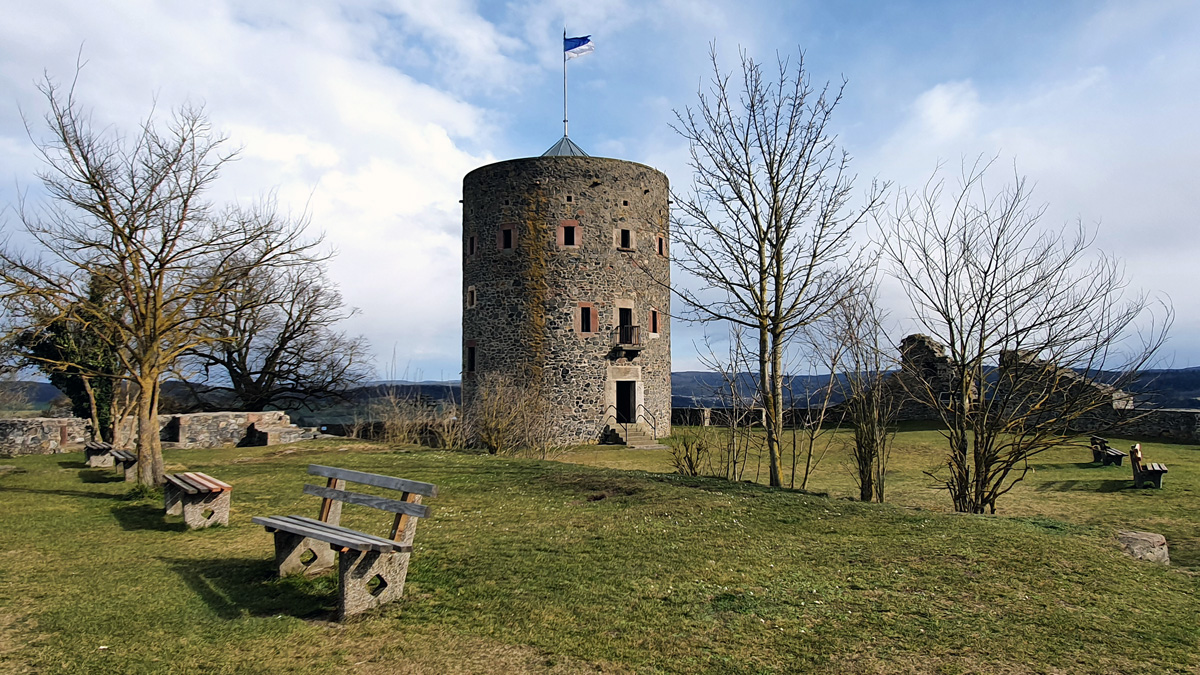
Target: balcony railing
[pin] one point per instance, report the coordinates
(627, 337)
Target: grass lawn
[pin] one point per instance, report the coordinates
(534, 566)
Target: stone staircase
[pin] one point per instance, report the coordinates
(639, 437)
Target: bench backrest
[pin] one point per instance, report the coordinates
(1135, 457)
(407, 508)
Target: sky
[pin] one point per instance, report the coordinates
(366, 114)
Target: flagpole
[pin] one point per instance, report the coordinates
(564, 82)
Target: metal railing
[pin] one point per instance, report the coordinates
(643, 413)
(616, 421)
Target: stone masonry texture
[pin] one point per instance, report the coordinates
(525, 320)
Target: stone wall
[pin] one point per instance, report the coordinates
(41, 435)
(210, 430)
(523, 305)
(45, 436)
(1175, 425)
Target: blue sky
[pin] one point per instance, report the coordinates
(368, 113)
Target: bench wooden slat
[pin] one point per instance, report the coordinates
(183, 484)
(1159, 468)
(124, 456)
(330, 534)
(196, 483)
(382, 541)
(208, 482)
(381, 503)
(401, 484)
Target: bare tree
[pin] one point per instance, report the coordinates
(811, 434)
(766, 223)
(733, 454)
(132, 213)
(870, 403)
(1039, 334)
(78, 362)
(281, 346)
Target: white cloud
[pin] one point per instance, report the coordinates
(373, 154)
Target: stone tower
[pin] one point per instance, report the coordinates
(566, 289)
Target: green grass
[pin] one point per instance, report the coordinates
(532, 566)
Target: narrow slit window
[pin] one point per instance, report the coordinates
(470, 358)
(626, 239)
(471, 245)
(568, 235)
(585, 319)
(471, 297)
(662, 245)
(507, 239)
(654, 321)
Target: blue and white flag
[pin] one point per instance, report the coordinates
(578, 46)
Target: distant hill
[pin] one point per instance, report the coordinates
(691, 389)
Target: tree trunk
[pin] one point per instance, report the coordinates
(775, 413)
(97, 432)
(149, 446)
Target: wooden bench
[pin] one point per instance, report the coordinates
(371, 569)
(1105, 454)
(202, 500)
(1143, 473)
(126, 461)
(97, 454)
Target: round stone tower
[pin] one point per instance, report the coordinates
(566, 291)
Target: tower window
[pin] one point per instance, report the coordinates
(471, 245)
(624, 202)
(586, 320)
(470, 364)
(568, 234)
(506, 238)
(662, 246)
(470, 297)
(568, 199)
(654, 321)
(625, 239)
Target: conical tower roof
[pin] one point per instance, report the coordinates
(565, 147)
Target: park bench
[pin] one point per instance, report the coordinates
(1103, 453)
(202, 500)
(125, 462)
(1145, 473)
(371, 569)
(97, 454)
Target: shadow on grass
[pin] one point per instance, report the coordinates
(144, 517)
(1085, 485)
(73, 465)
(64, 493)
(233, 587)
(1070, 465)
(100, 476)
